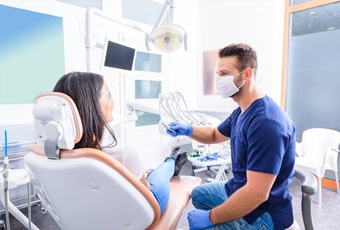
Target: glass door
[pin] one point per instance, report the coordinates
(313, 66)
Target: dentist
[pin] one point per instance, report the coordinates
(262, 140)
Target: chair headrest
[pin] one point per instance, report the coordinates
(57, 122)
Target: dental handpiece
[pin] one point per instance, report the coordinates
(168, 127)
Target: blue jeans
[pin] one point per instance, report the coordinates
(159, 182)
(210, 195)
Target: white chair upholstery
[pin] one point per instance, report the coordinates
(317, 152)
(86, 188)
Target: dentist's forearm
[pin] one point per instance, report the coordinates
(246, 199)
(238, 205)
(207, 135)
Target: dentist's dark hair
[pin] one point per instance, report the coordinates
(245, 54)
(85, 90)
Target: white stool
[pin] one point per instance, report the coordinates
(218, 166)
(17, 177)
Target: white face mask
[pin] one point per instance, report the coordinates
(226, 86)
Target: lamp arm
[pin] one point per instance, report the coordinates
(122, 120)
(142, 106)
(168, 4)
(90, 43)
(171, 11)
(185, 40)
(100, 13)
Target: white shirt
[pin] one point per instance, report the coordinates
(127, 156)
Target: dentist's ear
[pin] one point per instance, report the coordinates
(248, 73)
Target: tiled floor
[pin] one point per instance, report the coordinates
(325, 217)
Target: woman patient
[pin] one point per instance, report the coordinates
(95, 104)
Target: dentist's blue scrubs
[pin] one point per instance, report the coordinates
(262, 139)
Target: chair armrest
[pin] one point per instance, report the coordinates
(308, 181)
(308, 187)
(331, 159)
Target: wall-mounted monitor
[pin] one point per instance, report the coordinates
(117, 55)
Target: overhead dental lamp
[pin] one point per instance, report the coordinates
(166, 38)
(169, 37)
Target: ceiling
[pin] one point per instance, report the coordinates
(315, 20)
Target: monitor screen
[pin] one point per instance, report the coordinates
(118, 55)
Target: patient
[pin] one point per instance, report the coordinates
(94, 102)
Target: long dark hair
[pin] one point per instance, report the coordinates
(85, 90)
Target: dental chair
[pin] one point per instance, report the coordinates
(86, 188)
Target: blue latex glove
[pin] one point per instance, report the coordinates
(179, 129)
(199, 219)
(209, 157)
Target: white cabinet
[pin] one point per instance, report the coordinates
(140, 80)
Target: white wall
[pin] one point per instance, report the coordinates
(183, 71)
(217, 23)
